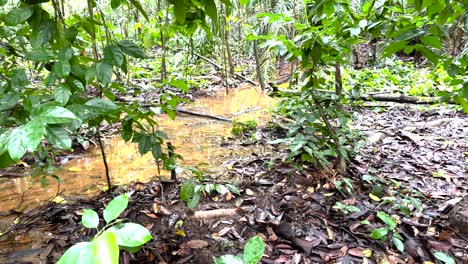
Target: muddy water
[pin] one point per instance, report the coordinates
(198, 140)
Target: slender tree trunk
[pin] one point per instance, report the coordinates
(226, 41)
(163, 43)
(258, 66)
(338, 79)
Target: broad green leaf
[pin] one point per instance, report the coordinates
(180, 11)
(104, 72)
(62, 94)
(427, 53)
(106, 249)
(81, 253)
(33, 2)
(116, 3)
(398, 244)
(113, 55)
(221, 189)
(100, 106)
(90, 218)
(387, 219)
(138, 6)
(39, 55)
(444, 257)
(19, 15)
(5, 160)
(233, 189)
(131, 234)
(19, 79)
(187, 190)
(15, 147)
(132, 49)
(58, 136)
(253, 250)
(62, 68)
(180, 84)
(229, 259)
(410, 34)
(378, 233)
(55, 115)
(43, 34)
(211, 10)
(193, 201)
(432, 41)
(394, 47)
(9, 100)
(115, 207)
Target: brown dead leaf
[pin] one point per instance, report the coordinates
(197, 244)
(330, 234)
(271, 234)
(356, 252)
(351, 201)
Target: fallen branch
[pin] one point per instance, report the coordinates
(179, 110)
(214, 213)
(379, 97)
(239, 76)
(187, 112)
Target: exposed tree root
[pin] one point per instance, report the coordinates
(214, 213)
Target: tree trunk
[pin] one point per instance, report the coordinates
(258, 66)
(338, 79)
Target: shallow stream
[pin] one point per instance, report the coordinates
(197, 140)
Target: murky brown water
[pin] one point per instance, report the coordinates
(196, 139)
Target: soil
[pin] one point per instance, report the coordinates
(414, 163)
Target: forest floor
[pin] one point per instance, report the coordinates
(413, 168)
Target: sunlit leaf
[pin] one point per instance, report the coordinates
(131, 234)
(90, 218)
(115, 207)
(106, 249)
(253, 250)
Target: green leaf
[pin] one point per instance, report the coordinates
(106, 249)
(233, 189)
(19, 79)
(444, 257)
(132, 49)
(253, 250)
(432, 41)
(104, 72)
(9, 100)
(394, 47)
(55, 115)
(180, 84)
(113, 55)
(138, 6)
(221, 189)
(62, 94)
(193, 201)
(58, 136)
(398, 244)
(90, 218)
(427, 53)
(116, 3)
(180, 11)
(229, 259)
(378, 233)
(100, 106)
(80, 253)
(387, 219)
(41, 55)
(23, 138)
(187, 190)
(115, 207)
(131, 234)
(5, 160)
(62, 68)
(211, 10)
(19, 15)
(416, 203)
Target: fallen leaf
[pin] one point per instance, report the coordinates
(374, 197)
(197, 244)
(249, 192)
(180, 232)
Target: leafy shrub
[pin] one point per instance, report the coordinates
(104, 248)
(253, 252)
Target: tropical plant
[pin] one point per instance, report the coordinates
(115, 235)
(253, 252)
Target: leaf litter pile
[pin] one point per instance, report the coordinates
(402, 200)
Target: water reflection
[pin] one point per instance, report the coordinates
(196, 139)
